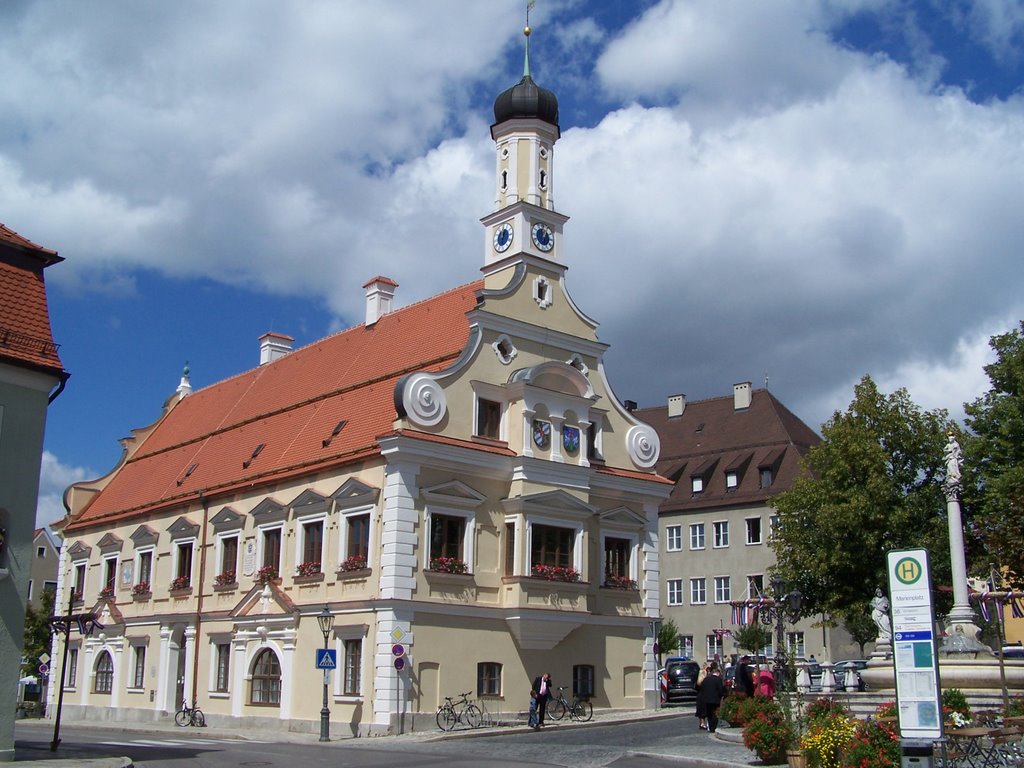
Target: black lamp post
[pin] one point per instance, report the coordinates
(787, 604)
(326, 621)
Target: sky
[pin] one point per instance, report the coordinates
(797, 191)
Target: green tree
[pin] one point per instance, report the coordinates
(872, 484)
(37, 631)
(994, 458)
(860, 626)
(752, 637)
(668, 637)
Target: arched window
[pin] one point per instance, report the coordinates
(266, 679)
(104, 673)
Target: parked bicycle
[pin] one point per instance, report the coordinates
(189, 716)
(579, 708)
(461, 711)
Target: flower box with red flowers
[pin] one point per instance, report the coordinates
(448, 565)
(555, 573)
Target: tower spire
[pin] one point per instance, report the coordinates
(526, 33)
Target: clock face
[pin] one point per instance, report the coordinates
(541, 433)
(543, 237)
(503, 237)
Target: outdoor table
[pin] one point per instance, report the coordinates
(966, 747)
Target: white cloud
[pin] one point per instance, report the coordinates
(54, 478)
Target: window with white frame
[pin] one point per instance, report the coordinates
(773, 526)
(723, 589)
(452, 533)
(265, 681)
(697, 484)
(618, 556)
(753, 530)
(698, 591)
(553, 546)
(755, 585)
(488, 678)
(675, 591)
(310, 555)
(72, 676)
(714, 646)
(673, 538)
(183, 563)
(110, 575)
(139, 668)
(353, 667)
(222, 680)
(488, 419)
(355, 539)
(795, 643)
(686, 645)
(104, 681)
(227, 559)
(721, 529)
(270, 550)
(732, 480)
(696, 535)
(143, 567)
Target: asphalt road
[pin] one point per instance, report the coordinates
(614, 746)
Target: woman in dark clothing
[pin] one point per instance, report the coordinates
(710, 695)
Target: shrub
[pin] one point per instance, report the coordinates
(768, 733)
(828, 737)
(824, 708)
(953, 700)
(1016, 707)
(730, 709)
(873, 745)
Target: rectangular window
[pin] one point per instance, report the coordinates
(353, 667)
(510, 549)
(223, 666)
(773, 525)
(446, 536)
(272, 549)
(583, 680)
(229, 557)
(714, 647)
(79, 580)
(50, 586)
(109, 574)
(40, 552)
(184, 569)
(358, 539)
(766, 477)
(72, 676)
(755, 586)
(721, 529)
(139, 676)
(686, 645)
(753, 530)
(723, 590)
(697, 536)
(313, 544)
(145, 572)
(488, 678)
(675, 591)
(698, 591)
(616, 558)
(552, 546)
(488, 419)
(674, 538)
(795, 643)
(732, 481)
(697, 484)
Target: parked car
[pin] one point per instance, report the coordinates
(839, 672)
(681, 676)
(1013, 651)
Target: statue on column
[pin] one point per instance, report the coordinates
(953, 457)
(880, 615)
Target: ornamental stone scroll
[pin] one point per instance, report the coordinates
(643, 445)
(423, 400)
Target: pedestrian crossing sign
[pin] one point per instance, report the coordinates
(326, 658)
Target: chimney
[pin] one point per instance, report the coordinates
(741, 396)
(676, 405)
(379, 293)
(274, 346)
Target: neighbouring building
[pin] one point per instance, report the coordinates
(454, 477)
(31, 376)
(45, 565)
(727, 457)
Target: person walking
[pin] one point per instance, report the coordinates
(745, 676)
(702, 710)
(542, 685)
(711, 692)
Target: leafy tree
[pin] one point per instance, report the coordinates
(37, 631)
(752, 637)
(668, 636)
(873, 484)
(860, 626)
(994, 458)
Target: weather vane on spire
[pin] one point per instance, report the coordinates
(526, 32)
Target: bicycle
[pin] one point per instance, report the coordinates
(579, 709)
(461, 711)
(189, 716)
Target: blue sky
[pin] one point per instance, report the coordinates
(805, 190)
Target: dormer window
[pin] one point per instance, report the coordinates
(697, 484)
(766, 477)
(732, 480)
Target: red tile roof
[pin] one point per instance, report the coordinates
(289, 406)
(25, 336)
(712, 436)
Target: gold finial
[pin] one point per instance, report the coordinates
(526, 31)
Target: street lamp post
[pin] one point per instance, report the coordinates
(326, 621)
(786, 603)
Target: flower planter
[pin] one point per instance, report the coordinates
(141, 597)
(796, 758)
(181, 592)
(311, 578)
(353, 575)
(230, 586)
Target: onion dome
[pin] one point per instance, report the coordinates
(526, 98)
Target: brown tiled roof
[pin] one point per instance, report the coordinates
(714, 433)
(290, 407)
(25, 335)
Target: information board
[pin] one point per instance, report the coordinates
(913, 644)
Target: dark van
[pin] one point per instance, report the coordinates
(682, 679)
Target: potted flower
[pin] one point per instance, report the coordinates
(309, 568)
(769, 733)
(142, 588)
(874, 744)
(353, 563)
(448, 565)
(612, 581)
(181, 582)
(555, 572)
(265, 574)
(223, 579)
(828, 735)
(106, 593)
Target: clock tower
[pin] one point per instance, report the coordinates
(525, 130)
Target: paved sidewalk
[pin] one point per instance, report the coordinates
(724, 749)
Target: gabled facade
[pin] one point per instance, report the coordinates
(31, 376)
(45, 565)
(728, 456)
(455, 477)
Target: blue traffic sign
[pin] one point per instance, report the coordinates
(326, 658)
(922, 635)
